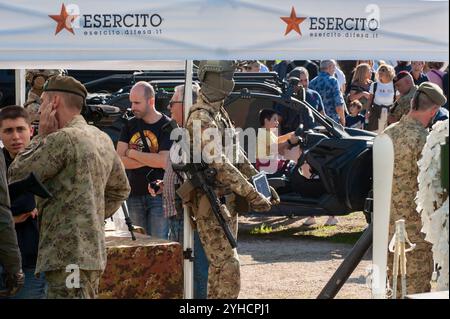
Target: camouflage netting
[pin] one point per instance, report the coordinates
(145, 268)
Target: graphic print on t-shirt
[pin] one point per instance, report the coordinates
(137, 144)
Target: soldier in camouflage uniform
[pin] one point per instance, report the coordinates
(408, 137)
(36, 79)
(10, 259)
(232, 178)
(404, 83)
(79, 166)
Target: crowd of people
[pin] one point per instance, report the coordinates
(384, 88)
(402, 101)
(89, 179)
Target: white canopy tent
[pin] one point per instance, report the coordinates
(133, 34)
(117, 34)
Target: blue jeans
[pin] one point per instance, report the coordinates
(33, 288)
(147, 211)
(200, 261)
(201, 266)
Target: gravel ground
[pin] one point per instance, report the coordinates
(291, 262)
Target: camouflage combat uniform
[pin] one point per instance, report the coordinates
(403, 104)
(232, 178)
(79, 166)
(408, 137)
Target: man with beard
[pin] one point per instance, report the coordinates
(144, 148)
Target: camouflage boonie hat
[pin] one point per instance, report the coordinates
(65, 84)
(433, 91)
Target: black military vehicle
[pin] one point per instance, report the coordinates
(341, 158)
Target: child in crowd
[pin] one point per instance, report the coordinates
(355, 119)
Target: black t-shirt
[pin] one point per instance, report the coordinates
(157, 140)
(27, 231)
(355, 121)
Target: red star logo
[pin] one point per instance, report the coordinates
(64, 20)
(293, 22)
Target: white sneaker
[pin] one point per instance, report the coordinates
(310, 221)
(331, 221)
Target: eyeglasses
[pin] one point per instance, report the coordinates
(171, 103)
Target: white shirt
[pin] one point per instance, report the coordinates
(340, 76)
(384, 94)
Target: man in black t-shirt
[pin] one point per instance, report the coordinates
(143, 148)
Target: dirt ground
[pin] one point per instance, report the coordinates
(283, 259)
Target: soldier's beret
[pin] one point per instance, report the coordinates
(400, 75)
(65, 84)
(434, 92)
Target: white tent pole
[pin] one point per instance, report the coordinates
(383, 170)
(188, 234)
(20, 87)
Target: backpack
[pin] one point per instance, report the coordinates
(375, 84)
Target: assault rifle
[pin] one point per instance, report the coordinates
(203, 177)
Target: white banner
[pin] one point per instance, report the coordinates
(33, 32)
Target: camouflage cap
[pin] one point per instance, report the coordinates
(65, 84)
(434, 92)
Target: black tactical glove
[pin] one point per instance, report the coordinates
(13, 283)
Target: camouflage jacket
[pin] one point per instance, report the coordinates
(9, 250)
(403, 104)
(233, 167)
(408, 137)
(79, 166)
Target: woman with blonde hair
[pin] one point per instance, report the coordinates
(359, 89)
(382, 96)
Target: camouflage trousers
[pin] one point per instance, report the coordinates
(419, 268)
(223, 273)
(58, 289)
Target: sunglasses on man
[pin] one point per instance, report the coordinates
(171, 103)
